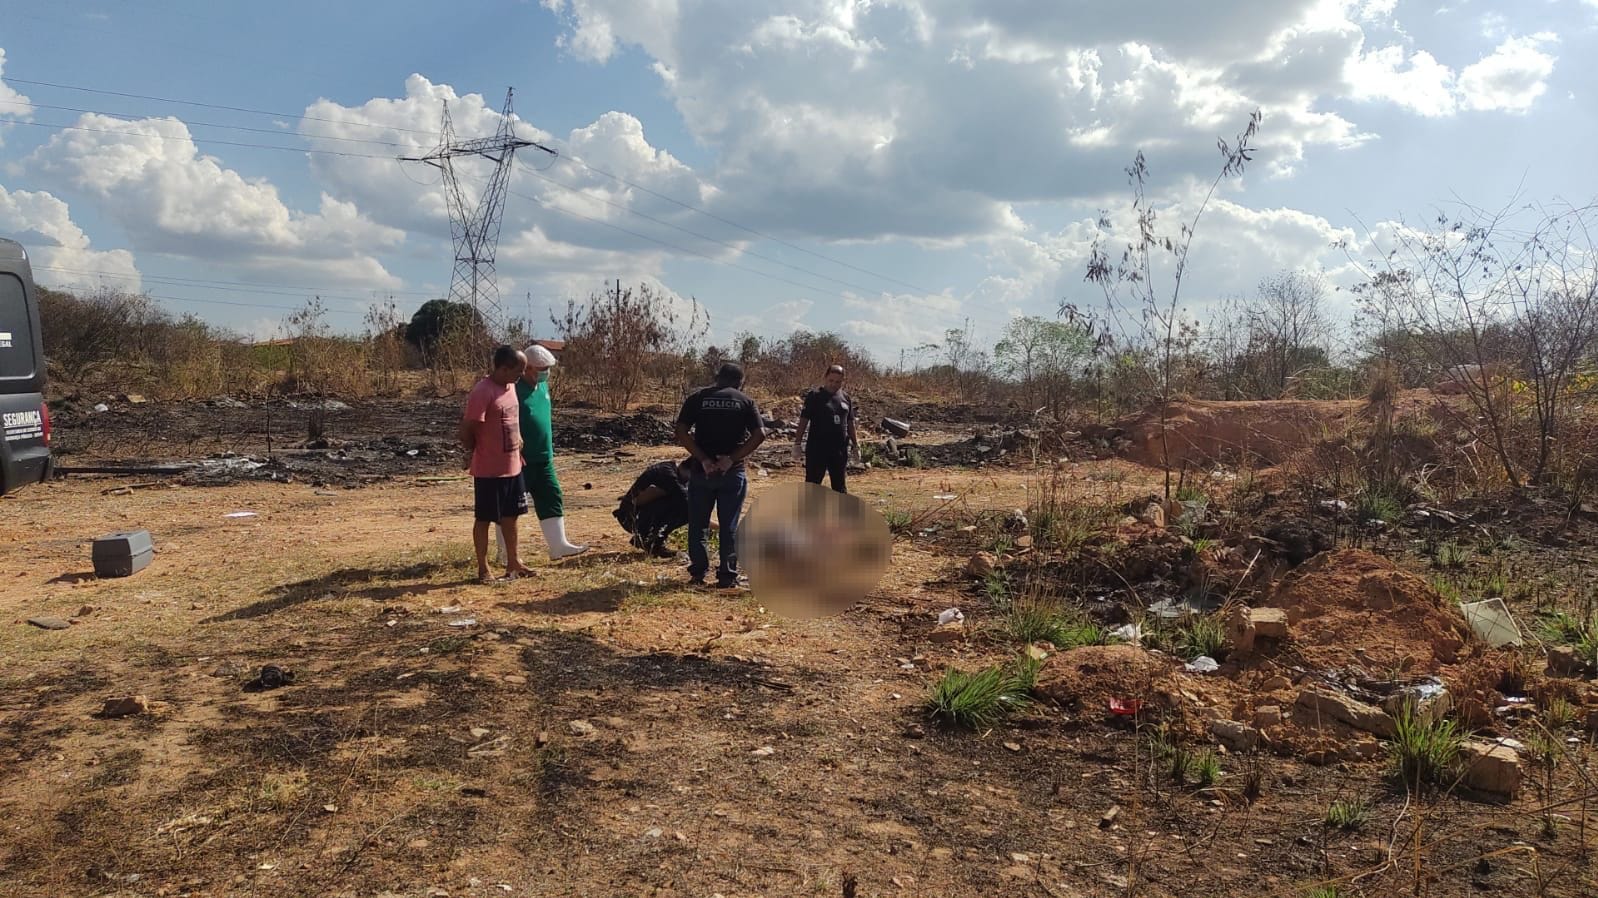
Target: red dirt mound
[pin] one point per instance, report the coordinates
(1354, 609)
(1256, 434)
(1252, 433)
(1091, 675)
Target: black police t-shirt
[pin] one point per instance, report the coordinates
(829, 415)
(721, 419)
(661, 475)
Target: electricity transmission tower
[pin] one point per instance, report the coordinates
(475, 227)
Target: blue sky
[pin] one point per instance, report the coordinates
(919, 163)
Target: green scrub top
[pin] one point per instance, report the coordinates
(538, 439)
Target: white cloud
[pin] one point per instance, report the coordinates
(776, 320)
(9, 96)
(59, 250)
(169, 198)
(1417, 82)
(1511, 78)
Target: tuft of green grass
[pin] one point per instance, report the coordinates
(899, 520)
(997, 588)
(1203, 544)
(979, 700)
(1559, 715)
(1374, 504)
(1206, 768)
(1042, 621)
(915, 458)
(1424, 753)
(1191, 492)
(1326, 892)
(1450, 555)
(1563, 628)
(1349, 815)
(1202, 635)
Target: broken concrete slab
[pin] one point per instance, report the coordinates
(1492, 767)
(1335, 706)
(50, 623)
(1270, 623)
(1235, 736)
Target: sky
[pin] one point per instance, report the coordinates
(883, 169)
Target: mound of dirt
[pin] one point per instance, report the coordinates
(1091, 675)
(609, 432)
(1250, 433)
(1254, 434)
(1352, 608)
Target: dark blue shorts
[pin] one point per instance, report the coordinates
(498, 498)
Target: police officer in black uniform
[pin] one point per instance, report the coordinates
(719, 426)
(828, 418)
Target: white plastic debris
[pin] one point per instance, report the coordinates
(101, 407)
(464, 622)
(1492, 622)
(1202, 664)
(945, 497)
(950, 615)
(239, 514)
(1128, 633)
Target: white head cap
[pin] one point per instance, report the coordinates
(539, 357)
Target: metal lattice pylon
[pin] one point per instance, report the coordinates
(474, 227)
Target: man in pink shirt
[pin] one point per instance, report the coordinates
(490, 430)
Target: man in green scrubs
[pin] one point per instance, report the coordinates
(538, 452)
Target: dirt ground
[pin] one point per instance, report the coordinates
(601, 728)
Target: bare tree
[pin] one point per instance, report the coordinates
(1287, 326)
(1507, 313)
(616, 337)
(1129, 285)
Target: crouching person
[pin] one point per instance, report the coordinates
(655, 506)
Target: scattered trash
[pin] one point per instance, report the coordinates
(1125, 707)
(122, 554)
(1202, 664)
(897, 428)
(1108, 820)
(950, 615)
(451, 609)
(1128, 633)
(464, 622)
(101, 407)
(270, 677)
(945, 497)
(240, 514)
(1490, 619)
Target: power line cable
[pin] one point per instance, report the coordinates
(568, 158)
(193, 139)
(220, 106)
(129, 117)
(268, 287)
(732, 246)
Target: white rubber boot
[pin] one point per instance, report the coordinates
(555, 538)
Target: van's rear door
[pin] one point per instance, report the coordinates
(24, 446)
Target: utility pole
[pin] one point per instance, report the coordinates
(474, 227)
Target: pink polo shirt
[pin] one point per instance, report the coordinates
(492, 411)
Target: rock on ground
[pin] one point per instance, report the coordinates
(1492, 767)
